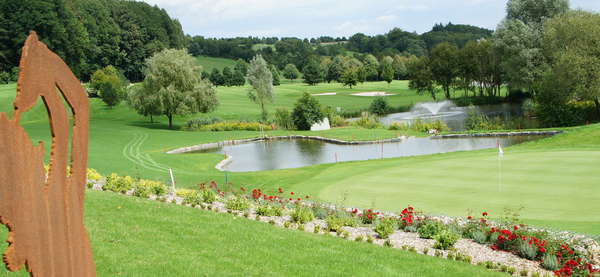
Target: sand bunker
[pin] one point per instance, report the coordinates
(372, 93)
(325, 93)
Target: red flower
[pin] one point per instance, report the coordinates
(542, 249)
(469, 217)
(516, 227)
(355, 211)
(280, 190)
(298, 198)
(292, 193)
(291, 199)
(485, 214)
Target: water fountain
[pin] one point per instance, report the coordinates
(433, 107)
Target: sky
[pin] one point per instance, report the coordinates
(314, 18)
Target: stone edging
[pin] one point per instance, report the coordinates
(228, 159)
(206, 146)
(500, 134)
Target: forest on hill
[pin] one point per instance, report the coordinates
(89, 34)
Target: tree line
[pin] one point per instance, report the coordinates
(89, 34)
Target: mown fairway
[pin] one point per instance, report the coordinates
(554, 180)
(208, 63)
(134, 237)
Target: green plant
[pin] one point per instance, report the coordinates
(425, 250)
(412, 249)
(208, 196)
(302, 214)
(196, 124)
(385, 228)
(145, 188)
(317, 229)
(246, 214)
(524, 273)
(283, 119)
(512, 270)
(336, 221)
(236, 126)
(345, 234)
(536, 274)
(388, 243)
(526, 250)
(93, 175)
(286, 224)
(431, 229)
(445, 240)
(438, 253)
(269, 210)
(301, 227)
(237, 204)
(370, 239)
(550, 262)
(119, 184)
(504, 268)
(307, 111)
(320, 212)
(367, 121)
(479, 237)
(379, 106)
(359, 238)
(272, 222)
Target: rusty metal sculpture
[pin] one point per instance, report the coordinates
(44, 213)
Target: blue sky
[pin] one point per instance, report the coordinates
(314, 18)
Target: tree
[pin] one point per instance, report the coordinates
(261, 79)
(291, 72)
(275, 73)
(387, 71)
(350, 76)
(399, 65)
(371, 67)
(144, 102)
(241, 66)
(173, 86)
(444, 65)
(335, 69)
(574, 56)
(307, 111)
(312, 73)
(216, 78)
(227, 76)
(5, 77)
(109, 84)
(379, 106)
(518, 39)
(421, 77)
(239, 78)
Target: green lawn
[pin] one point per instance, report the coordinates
(555, 180)
(208, 63)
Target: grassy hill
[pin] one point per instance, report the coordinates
(208, 63)
(135, 237)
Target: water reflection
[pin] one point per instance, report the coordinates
(295, 153)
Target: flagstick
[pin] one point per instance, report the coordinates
(172, 181)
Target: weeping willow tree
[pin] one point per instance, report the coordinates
(173, 86)
(260, 79)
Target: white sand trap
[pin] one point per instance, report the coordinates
(372, 93)
(324, 94)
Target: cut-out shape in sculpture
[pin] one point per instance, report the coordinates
(44, 213)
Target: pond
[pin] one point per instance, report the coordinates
(455, 117)
(293, 153)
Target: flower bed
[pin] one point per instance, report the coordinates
(505, 246)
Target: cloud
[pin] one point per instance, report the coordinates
(313, 18)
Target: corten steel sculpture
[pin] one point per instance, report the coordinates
(44, 213)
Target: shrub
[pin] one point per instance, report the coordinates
(283, 119)
(526, 250)
(302, 214)
(367, 121)
(93, 175)
(550, 262)
(385, 228)
(359, 238)
(208, 196)
(237, 204)
(337, 121)
(336, 222)
(145, 188)
(368, 216)
(307, 111)
(479, 237)
(388, 243)
(236, 126)
(317, 229)
(379, 106)
(119, 184)
(320, 212)
(479, 121)
(431, 229)
(445, 240)
(197, 123)
(370, 239)
(268, 210)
